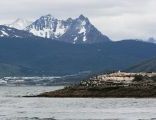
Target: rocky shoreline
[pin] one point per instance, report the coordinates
(113, 85)
(116, 92)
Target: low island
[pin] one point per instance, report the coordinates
(120, 84)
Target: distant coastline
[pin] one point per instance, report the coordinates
(118, 85)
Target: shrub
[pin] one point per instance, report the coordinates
(153, 78)
(138, 78)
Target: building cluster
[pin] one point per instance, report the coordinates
(120, 78)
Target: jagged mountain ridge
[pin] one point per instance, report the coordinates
(78, 30)
(13, 33)
(48, 27)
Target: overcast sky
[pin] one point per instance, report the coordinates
(118, 19)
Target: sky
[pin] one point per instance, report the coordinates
(118, 19)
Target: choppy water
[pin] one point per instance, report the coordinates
(18, 108)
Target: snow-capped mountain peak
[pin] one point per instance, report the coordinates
(48, 16)
(20, 24)
(78, 30)
(48, 27)
(47, 19)
(83, 18)
(75, 31)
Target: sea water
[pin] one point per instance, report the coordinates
(14, 107)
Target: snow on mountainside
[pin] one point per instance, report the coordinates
(20, 24)
(48, 27)
(78, 30)
(13, 33)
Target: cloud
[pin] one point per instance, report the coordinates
(118, 19)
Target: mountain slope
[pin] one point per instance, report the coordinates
(78, 30)
(151, 40)
(146, 66)
(13, 33)
(37, 56)
(19, 24)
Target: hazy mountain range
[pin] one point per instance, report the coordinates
(146, 66)
(39, 57)
(75, 31)
(20, 24)
(49, 46)
(78, 30)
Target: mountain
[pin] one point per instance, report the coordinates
(151, 40)
(145, 66)
(19, 24)
(13, 33)
(46, 57)
(78, 30)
